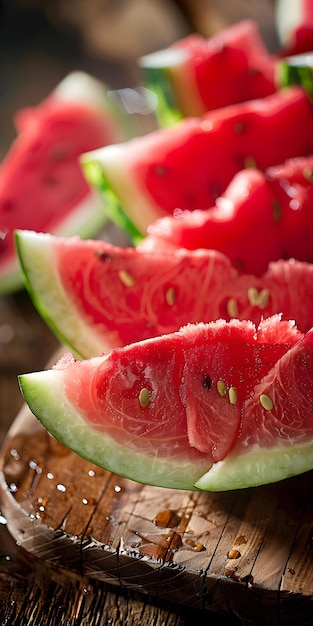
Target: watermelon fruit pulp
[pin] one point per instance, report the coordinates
(95, 296)
(214, 406)
(269, 212)
(195, 75)
(42, 186)
(189, 165)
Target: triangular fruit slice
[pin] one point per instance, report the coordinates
(190, 164)
(95, 296)
(214, 406)
(42, 186)
(195, 74)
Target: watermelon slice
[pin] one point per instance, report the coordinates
(195, 74)
(189, 165)
(42, 186)
(214, 406)
(95, 296)
(270, 213)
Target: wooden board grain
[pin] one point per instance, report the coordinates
(246, 552)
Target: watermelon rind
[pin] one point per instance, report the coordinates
(113, 208)
(126, 203)
(258, 466)
(37, 265)
(156, 71)
(44, 395)
(296, 70)
(86, 219)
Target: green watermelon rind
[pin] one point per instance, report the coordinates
(87, 219)
(43, 392)
(127, 202)
(38, 267)
(158, 80)
(257, 466)
(296, 70)
(114, 209)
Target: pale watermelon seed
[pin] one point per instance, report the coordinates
(263, 298)
(144, 397)
(221, 388)
(253, 294)
(232, 307)
(170, 296)
(126, 278)
(266, 402)
(258, 298)
(232, 395)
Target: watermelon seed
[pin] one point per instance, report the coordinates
(144, 397)
(258, 298)
(160, 170)
(232, 307)
(170, 296)
(266, 402)
(232, 395)
(103, 256)
(276, 211)
(263, 298)
(221, 387)
(207, 382)
(239, 128)
(252, 294)
(308, 174)
(126, 278)
(250, 163)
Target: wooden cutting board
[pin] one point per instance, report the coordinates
(246, 552)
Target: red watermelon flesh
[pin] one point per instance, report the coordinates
(290, 386)
(261, 217)
(213, 406)
(181, 372)
(95, 295)
(42, 186)
(189, 165)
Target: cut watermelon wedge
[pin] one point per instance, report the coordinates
(189, 165)
(195, 74)
(214, 406)
(42, 186)
(95, 296)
